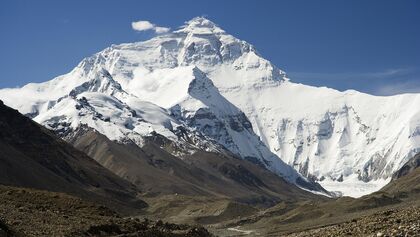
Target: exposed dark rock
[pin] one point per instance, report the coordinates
(36, 158)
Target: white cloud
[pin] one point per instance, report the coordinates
(142, 25)
(147, 25)
(160, 30)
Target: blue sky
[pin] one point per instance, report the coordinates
(367, 45)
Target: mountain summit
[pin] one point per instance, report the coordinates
(200, 25)
(225, 96)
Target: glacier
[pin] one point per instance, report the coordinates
(224, 93)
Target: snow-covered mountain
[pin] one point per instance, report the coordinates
(217, 89)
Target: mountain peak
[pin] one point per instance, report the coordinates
(100, 81)
(200, 25)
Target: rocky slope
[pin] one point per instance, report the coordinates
(221, 92)
(392, 211)
(29, 212)
(31, 156)
(402, 218)
(156, 172)
(394, 222)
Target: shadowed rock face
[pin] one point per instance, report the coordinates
(409, 167)
(33, 157)
(406, 181)
(5, 230)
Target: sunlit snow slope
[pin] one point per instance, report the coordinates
(201, 78)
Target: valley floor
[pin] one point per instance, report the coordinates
(378, 214)
(29, 212)
(393, 222)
